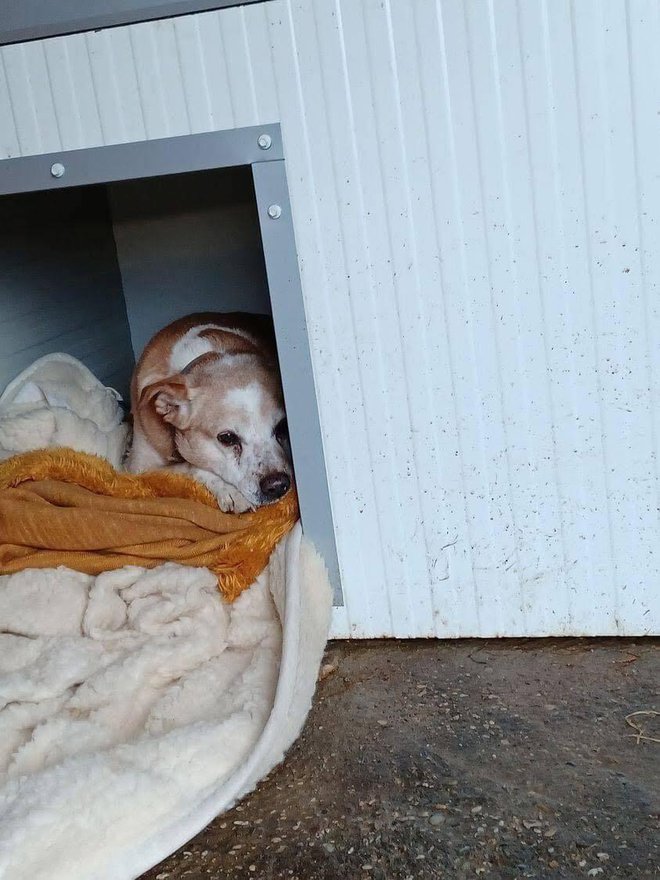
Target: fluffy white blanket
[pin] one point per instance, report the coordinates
(58, 402)
(136, 706)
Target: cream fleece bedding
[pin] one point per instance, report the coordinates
(136, 705)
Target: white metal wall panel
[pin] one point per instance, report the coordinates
(476, 191)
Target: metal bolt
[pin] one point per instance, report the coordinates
(264, 141)
(57, 170)
(274, 212)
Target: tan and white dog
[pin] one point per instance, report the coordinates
(206, 400)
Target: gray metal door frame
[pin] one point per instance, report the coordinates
(261, 148)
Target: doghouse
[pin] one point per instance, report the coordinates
(465, 320)
(100, 248)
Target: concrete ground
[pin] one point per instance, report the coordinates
(501, 759)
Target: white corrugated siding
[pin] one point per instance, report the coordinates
(476, 191)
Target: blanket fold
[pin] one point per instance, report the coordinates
(59, 507)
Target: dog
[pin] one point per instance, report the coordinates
(206, 400)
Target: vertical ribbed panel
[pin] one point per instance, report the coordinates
(476, 190)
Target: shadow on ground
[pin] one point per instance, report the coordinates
(456, 760)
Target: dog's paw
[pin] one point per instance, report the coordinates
(228, 497)
(232, 502)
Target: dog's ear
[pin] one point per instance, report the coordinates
(170, 400)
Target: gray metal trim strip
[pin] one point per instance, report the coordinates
(152, 158)
(277, 236)
(25, 20)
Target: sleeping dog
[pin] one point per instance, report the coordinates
(206, 401)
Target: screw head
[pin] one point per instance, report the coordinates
(274, 212)
(264, 140)
(57, 170)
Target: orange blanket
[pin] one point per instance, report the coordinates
(60, 507)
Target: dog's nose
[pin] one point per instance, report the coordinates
(273, 486)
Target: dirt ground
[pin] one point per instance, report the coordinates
(456, 760)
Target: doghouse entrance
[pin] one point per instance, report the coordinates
(100, 248)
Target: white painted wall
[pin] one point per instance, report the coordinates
(476, 191)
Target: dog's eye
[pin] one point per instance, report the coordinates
(282, 432)
(228, 438)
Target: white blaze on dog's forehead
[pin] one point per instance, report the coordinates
(192, 345)
(249, 397)
(186, 349)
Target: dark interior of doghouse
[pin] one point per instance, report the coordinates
(94, 271)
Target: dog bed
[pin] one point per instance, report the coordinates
(138, 703)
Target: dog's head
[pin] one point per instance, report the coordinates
(227, 415)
